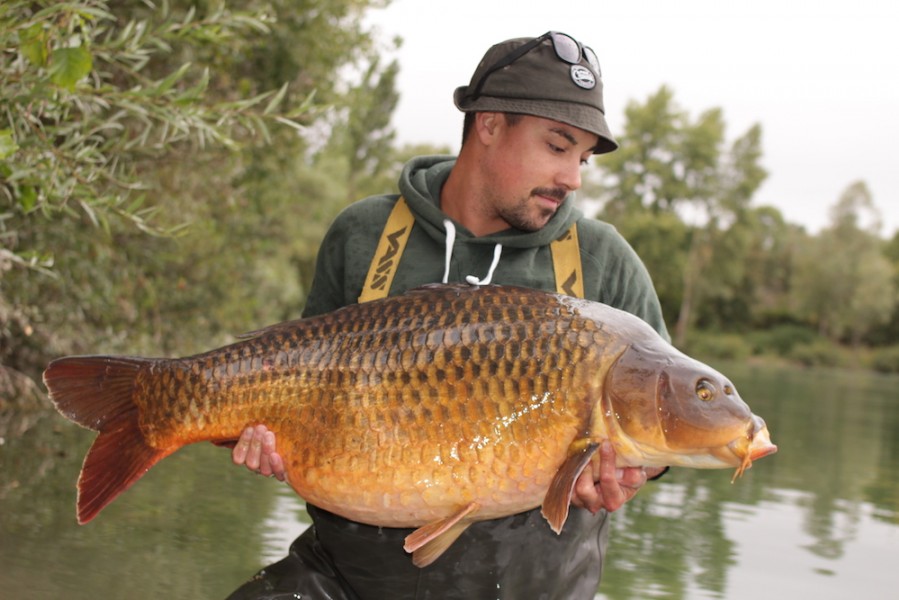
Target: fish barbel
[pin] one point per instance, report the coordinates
(444, 406)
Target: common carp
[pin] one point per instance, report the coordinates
(444, 406)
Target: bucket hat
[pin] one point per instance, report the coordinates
(551, 76)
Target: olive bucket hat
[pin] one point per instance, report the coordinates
(552, 76)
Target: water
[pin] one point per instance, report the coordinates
(820, 519)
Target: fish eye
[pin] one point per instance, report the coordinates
(705, 391)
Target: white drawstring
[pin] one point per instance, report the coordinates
(497, 251)
(451, 241)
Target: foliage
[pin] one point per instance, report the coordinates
(780, 340)
(719, 346)
(661, 240)
(889, 332)
(84, 109)
(821, 353)
(886, 360)
(166, 130)
(843, 280)
(669, 163)
(682, 196)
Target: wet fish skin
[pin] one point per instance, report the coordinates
(444, 406)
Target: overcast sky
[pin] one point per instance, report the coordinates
(821, 77)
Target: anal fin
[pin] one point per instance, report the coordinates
(429, 541)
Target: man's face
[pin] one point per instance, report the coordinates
(533, 165)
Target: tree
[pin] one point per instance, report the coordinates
(367, 138)
(843, 280)
(669, 163)
(762, 298)
(130, 137)
(85, 113)
(889, 334)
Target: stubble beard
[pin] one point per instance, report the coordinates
(527, 215)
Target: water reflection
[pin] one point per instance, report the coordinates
(283, 524)
(818, 519)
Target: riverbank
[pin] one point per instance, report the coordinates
(786, 348)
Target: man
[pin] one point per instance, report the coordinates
(534, 115)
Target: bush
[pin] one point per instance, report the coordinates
(820, 353)
(781, 339)
(718, 346)
(886, 360)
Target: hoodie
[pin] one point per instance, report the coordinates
(613, 273)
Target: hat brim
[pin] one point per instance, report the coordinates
(582, 116)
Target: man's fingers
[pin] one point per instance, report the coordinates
(633, 477)
(255, 449)
(240, 450)
(277, 466)
(265, 467)
(587, 494)
(254, 455)
(268, 442)
(612, 494)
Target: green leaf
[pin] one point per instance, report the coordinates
(192, 94)
(8, 145)
(166, 84)
(69, 65)
(33, 43)
(27, 198)
(273, 104)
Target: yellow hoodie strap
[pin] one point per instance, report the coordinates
(566, 254)
(387, 255)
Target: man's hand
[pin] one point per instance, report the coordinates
(256, 450)
(610, 487)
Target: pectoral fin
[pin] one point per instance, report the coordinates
(558, 496)
(429, 541)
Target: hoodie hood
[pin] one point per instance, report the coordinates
(420, 184)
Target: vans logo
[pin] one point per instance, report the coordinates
(386, 262)
(568, 285)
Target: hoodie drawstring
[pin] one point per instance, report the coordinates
(451, 241)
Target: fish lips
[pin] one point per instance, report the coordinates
(754, 445)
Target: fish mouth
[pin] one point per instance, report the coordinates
(757, 444)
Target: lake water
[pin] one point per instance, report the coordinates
(819, 519)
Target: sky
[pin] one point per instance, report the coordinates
(821, 77)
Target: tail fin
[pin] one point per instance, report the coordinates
(97, 393)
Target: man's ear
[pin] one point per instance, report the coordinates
(487, 125)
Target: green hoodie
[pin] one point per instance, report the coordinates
(613, 273)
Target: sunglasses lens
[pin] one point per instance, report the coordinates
(566, 48)
(591, 58)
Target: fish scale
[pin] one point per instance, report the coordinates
(434, 409)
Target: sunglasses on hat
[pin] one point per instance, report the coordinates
(566, 47)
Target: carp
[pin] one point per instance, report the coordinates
(446, 405)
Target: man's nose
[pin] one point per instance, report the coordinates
(570, 176)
